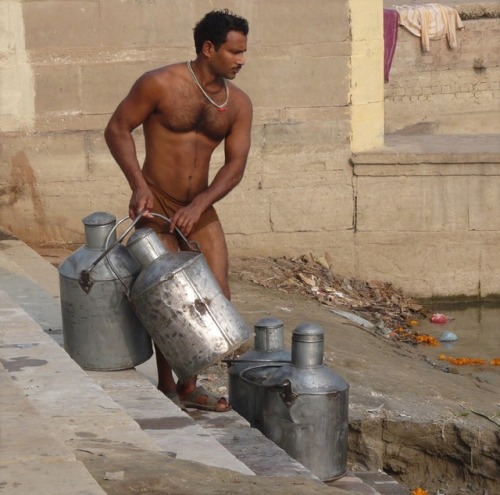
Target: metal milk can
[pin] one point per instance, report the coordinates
(181, 305)
(306, 407)
(245, 396)
(101, 331)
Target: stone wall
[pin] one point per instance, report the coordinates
(447, 91)
(314, 73)
(72, 62)
(428, 214)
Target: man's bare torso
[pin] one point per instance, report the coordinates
(182, 133)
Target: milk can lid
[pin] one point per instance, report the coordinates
(268, 322)
(308, 332)
(99, 218)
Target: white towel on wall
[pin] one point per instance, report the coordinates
(431, 21)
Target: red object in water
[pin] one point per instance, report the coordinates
(439, 318)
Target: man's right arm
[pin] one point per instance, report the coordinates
(129, 114)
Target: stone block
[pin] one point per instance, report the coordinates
(245, 212)
(57, 89)
(40, 216)
(43, 218)
(300, 137)
(56, 122)
(112, 195)
(367, 58)
(180, 21)
(367, 126)
(100, 161)
(33, 477)
(420, 204)
(310, 175)
(125, 24)
(65, 24)
(32, 159)
(31, 438)
(338, 244)
(104, 86)
(17, 96)
(286, 85)
(490, 265)
(484, 203)
(408, 259)
(366, 19)
(322, 208)
(303, 23)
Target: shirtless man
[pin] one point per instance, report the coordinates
(186, 110)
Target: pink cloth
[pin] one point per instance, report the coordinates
(391, 21)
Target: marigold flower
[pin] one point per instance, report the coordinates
(419, 491)
(427, 339)
(463, 361)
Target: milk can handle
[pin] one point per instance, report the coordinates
(85, 280)
(287, 395)
(260, 366)
(193, 245)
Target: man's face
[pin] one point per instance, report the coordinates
(229, 59)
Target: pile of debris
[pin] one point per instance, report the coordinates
(380, 303)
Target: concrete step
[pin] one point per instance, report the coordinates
(172, 429)
(33, 459)
(79, 411)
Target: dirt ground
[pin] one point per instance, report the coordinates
(426, 422)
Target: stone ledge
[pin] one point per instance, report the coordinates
(434, 149)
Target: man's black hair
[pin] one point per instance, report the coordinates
(215, 26)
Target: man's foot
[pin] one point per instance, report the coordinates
(202, 399)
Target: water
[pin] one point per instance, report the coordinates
(477, 326)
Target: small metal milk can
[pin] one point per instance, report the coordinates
(306, 407)
(179, 302)
(101, 331)
(245, 396)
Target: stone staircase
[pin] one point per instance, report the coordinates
(66, 430)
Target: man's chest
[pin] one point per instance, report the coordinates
(184, 113)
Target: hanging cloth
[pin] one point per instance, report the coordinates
(391, 18)
(431, 21)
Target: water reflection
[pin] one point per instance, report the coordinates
(477, 326)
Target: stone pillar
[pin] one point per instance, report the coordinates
(17, 93)
(367, 74)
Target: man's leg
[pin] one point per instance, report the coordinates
(210, 236)
(166, 382)
(213, 246)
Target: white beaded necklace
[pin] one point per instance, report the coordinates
(222, 106)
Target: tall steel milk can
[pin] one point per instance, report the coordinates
(179, 302)
(101, 331)
(245, 395)
(306, 407)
